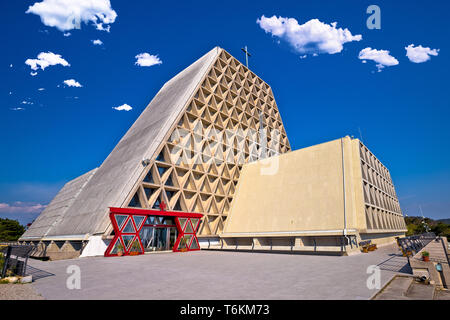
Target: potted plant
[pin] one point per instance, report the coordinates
(119, 250)
(425, 256)
(135, 249)
(183, 244)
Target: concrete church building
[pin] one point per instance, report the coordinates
(208, 165)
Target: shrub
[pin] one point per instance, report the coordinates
(2, 262)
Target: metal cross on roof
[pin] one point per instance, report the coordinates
(162, 206)
(247, 54)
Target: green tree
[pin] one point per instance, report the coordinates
(415, 226)
(10, 230)
(441, 229)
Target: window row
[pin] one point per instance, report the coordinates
(370, 158)
(377, 198)
(381, 220)
(374, 178)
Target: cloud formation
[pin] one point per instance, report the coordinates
(69, 14)
(44, 60)
(124, 107)
(24, 212)
(312, 37)
(97, 42)
(21, 207)
(381, 57)
(72, 83)
(147, 60)
(420, 54)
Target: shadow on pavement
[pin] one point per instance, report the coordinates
(38, 273)
(396, 263)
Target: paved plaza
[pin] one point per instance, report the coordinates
(218, 275)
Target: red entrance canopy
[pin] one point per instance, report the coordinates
(128, 223)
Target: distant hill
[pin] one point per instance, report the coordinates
(446, 221)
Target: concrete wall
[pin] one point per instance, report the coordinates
(381, 239)
(305, 193)
(303, 201)
(56, 250)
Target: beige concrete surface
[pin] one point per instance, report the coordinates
(314, 196)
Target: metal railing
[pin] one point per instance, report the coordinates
(411, 245)
(15, 259)
(445, 250)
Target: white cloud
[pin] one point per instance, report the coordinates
(97, 42)
(33, 73)
(100, 27)
(381, 57)
(67, 34)
(72, 83)
(124, 107)
(420, 54)
(27, 102)
(17, 109)
(147, 60)
(11, 65)
(69, 14)
(45, 59)
(41, 89)
(10, 93)
(21, 207)
(311, 37)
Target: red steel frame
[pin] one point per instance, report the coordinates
(131, 212)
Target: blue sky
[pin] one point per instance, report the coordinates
(63, 131)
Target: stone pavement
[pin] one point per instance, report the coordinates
(437, 252)
(406, 288)
(219, 275)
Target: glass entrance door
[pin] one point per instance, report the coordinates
(158, 238)
(161, 239)
(172, 237)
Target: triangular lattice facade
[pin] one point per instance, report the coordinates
(231, 119)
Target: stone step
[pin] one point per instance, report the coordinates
(420, 291)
